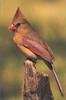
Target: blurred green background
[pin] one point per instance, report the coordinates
(48, 17)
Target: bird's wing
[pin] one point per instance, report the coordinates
(38, 48)
(48, 49)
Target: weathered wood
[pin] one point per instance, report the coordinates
(36, 85)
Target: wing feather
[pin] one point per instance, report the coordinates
(38, 48)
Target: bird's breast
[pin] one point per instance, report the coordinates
(18, 38)
(27, 52)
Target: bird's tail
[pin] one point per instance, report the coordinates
(57, 80)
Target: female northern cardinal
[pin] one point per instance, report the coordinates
(30, 43)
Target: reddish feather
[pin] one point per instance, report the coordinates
(38, 48)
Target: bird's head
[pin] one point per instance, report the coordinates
(18, 19)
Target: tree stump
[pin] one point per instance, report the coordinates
(36, 84)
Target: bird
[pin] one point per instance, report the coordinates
(31, 44)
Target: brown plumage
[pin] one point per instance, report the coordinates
(31, 44)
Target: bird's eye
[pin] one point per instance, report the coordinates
(18, 24)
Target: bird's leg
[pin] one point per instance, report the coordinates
(32, 59)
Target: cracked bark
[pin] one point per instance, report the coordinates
(36, 84)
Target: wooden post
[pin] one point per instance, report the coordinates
(36, 85)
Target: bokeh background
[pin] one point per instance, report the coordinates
(48, 17)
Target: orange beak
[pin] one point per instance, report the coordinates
(12, 27)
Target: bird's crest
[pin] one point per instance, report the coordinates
(18, 17)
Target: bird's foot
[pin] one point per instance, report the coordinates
(32, 59)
